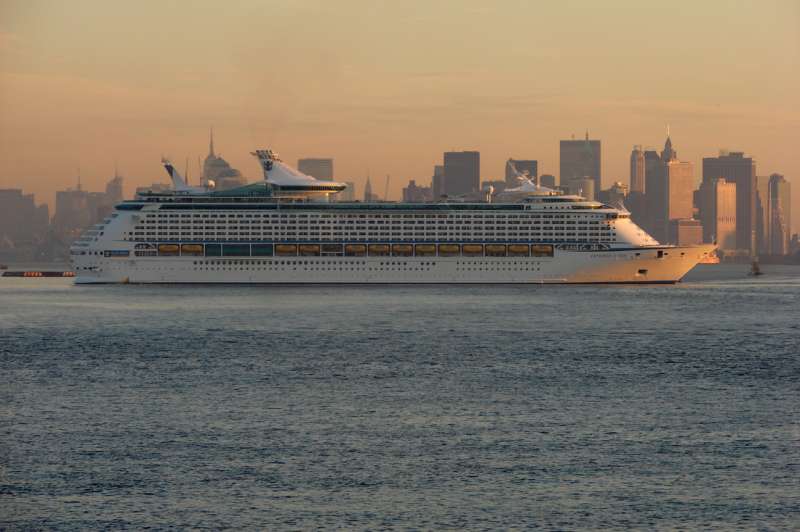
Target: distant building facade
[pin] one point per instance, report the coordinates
(437, 181)
(316, 167)
(580, 159)
(780, 219)
(217, 170)
(416, 194)
(718, 213)
(582, 187)
(670, 188)
(615, 195)
(547, 180)
(734, 167)
(23, 224)
(685, 232)
(637, 176)
(462, 173)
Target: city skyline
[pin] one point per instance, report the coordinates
(394, 108)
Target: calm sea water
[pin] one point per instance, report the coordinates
(410, 407)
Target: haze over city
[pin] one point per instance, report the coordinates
(388, 88)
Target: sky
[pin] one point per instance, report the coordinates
(386, 87)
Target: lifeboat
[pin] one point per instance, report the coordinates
(541, 250)
(495, 250)
(425, 250)
(191, 249)
(286, 250)
(168, 249)
(379, 250)
(355, 250)
(472, 250)
(402, 250)
(309, 250)
(518, 250)
(449, 250)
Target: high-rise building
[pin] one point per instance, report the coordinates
(437, 181)
(368, 195)
(736, 168)
(580, 159)
(315, 167)
(523, 166)
(762, 215)
(547, 180)
(669, 192)
(217, 169)
(19, 218)
(416, 194)
(685, 232)
(637, 181)
(462, 173)
(718, 213)
(780, 218)
(114, 193)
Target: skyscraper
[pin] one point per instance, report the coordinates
(522, 165)
(780, 218)
(437, 181)
(547, 180)
(316, 167)
(670, 187)
(462, 172)
(718, 212)
(637, 182)
(368, 197)
(736, 168)
(580, 159)
(217, 169)
(762, 215)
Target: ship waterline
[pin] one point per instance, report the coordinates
(286, 229)
(666, 265)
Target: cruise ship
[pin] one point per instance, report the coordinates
(289, 228)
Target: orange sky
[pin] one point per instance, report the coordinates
(389, 87)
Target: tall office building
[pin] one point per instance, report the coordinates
(718, 213)
(762, 215)
(21, 221)
(547, 180)
(462, 172)
(780, 218)
(637, 182)
(736, 168)
(670, 187)
(114, 193)
(523, 166)
(437, 181)
(318, 168)
(580, 159)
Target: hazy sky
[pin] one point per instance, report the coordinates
(389, 86)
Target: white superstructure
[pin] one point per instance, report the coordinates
(283, 230)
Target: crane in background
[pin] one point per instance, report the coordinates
(386, 189)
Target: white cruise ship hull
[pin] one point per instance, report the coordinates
(638, 265)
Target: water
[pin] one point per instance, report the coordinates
(484, 407)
